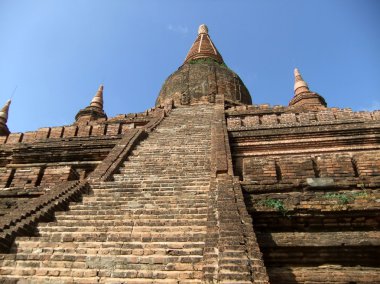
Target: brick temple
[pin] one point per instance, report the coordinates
(204, 187)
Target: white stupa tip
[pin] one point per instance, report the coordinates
(296, 72)
(203, 29)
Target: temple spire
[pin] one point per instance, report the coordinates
(4, 118)
(203, 47)
(303, 97)
(94, 111)
(300, 86)
(97, 101)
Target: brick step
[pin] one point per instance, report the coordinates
(98, 275)
(134, 172)
(171, 201)
(166, 158)
(149, 267)
(152, 180)
(162, 191)
(158, 196)
(157, 139)
(137, 208)
(136, 250)
(23, 277)
(92, 280)
(35, 260)
(160, 151)
(179, 134)
(143, 217)
(191, 190)
(157, 180)
(196, 156)
(35, 242)
(174, 148)
(55, 227)
(123, 236)
(137, 204)
(157, 144)
(183, 199)
(132, 167)
(139, 222)
(161, 165)
(150, 193)
(163, 161)
(138, 211)
(159, 174)
(195, 187)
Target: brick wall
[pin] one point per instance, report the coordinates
(311, 182)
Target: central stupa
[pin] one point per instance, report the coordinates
(203, 75)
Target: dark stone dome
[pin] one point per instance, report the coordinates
(199, 80)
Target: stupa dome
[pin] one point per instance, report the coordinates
(203, 75)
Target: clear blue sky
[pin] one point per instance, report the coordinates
(58, 52)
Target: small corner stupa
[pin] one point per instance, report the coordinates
(94, 111)
(303, 97)
(4, 118)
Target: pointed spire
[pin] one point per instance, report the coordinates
(300, 86)
(303, 97)
(4, 111)
(4, 118)
(94, 111)
(97, 101)
(203, 47)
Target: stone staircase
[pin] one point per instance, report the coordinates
(146, 226)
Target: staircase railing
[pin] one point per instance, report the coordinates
(29, 213)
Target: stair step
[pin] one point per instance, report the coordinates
(88, 228)
(124, 216)
(134, 249)
(140, 222)
(148, 225)
(33, 242)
